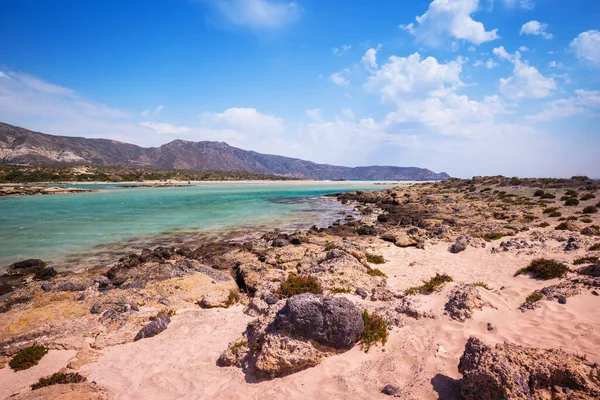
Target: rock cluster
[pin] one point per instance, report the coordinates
(463, 300)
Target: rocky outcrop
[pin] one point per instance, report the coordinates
(25, 267)
(508, 371)
(153, 328)
(463, 301)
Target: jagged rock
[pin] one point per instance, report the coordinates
(153, 328)
(44, 274)
(281, 355)
(30, 266)
(459, 245)
(331, 321)
(136, 284)
(164, 301)
(463, 300)
(529, 305)
(390, 390)
(508, 371)
(490, 326)
(408, 307)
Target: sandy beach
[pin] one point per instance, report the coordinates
(425, 342)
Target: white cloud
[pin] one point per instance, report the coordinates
(3, 75)
(450, 18)
(501, 52)
(489, 64)
(523, 49)
(340, 78)
(413, 76)
(314, 114)
(369, 59)
(535, 28)
(165, 129)
(348, 113)
(523, 4)
(258, 14)
(341, 51)
(587, 46)
(152, 113)
(410, 28)
(526, 83)
(584, 102)
(554, 64)
(472, 48)
(246, 119)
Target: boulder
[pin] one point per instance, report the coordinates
(215, 299)
(153, 328)
(459, 245)
(508, 371)
(330, 321)
(463, 300)
(24, 267)
(399, 238)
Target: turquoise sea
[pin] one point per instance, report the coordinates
(78, 230)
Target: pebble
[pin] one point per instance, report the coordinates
(390, 390)
(490, 326)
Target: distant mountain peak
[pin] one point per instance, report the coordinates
(19, 145)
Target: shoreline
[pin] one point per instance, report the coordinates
(460, 228)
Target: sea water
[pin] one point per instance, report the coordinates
(74, 230)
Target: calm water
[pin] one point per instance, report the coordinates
(75, 229)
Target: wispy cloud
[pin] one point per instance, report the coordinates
(258, 14)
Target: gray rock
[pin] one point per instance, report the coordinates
(96, 309)
(30, 266)
(271, 299)
(71, 287)
(47, 286)
(362, 293)
(153, 328)
(330, 321)
(459, 245)
(137, 284)
(490, 326)
(280, 242)
(390, 390)
(44, 274)
(562, 300)
(164, 301)
(102, 281)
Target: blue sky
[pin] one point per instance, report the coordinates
(470, 87)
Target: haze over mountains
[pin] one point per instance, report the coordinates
(19, 145)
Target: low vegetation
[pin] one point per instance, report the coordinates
(538, 193)
(429, 286)
(533, 297)
(563, 226)
(550, 210)
(594, 247)
(585, 260)
(571, 193)
(59, 378)
(543, 268)
(482, 285)
(488, 237)
(163, 314)
(337, 290)
(375, 272)
(587, 196)
(298, 284)
(590, 210)
(232, 298)
(571, 201)
(329, 246)
(27, 357)
(376, 331)
(555, 214)
(237, 346)
(544, 225)
(547, 196)
(375, 259)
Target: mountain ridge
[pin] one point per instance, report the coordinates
(20, 145)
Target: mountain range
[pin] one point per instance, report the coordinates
(22, 146)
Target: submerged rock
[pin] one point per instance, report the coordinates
(153, 328)
(508, 371)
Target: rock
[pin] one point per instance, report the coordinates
(459, 245)
(30, 266)
(362, 293)
(47, 286)
(390, 390)
(562, 300)
(508, 371)
(5, 288)
(271, 299)
(118, 281)
(96, 309)
(281, 355)
(71, 287)
(102, 281)
(280, 242)
(562, 290)
(213, 300)
(367, 230)
(329, 321)
(399, 238)
(164, 301)
(153, 328)
(490, 326)
(44, 274)
(590, 270)
(463, 300)
(136, 284)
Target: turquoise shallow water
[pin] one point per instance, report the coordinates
(73, 229)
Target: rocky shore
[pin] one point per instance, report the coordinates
(9, 190)
(485, 288)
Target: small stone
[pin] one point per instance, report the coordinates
(362, 293)
(280, 242)
(164, 301)
(102, 281)
(490, 326)
(595, 293)
(562, 300)
(47, 286)
(96, 309)
(390, 390)
(272, 299)
(81, 297)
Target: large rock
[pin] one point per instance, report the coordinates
(214, 300)
(463, 300)
(399, 238)
(153, 328)
(459, 245)
(330, 321)
(30, 266)
(508, 371)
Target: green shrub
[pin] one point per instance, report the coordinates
(571, 201)
(563, 226)
(233, 298)
(58, 378)
(483, 285)
(27, 357)
(544, 225)
(548, 196)
(585, 260)
(298, 284)
(594, 247)
(543, 268)
(554, 214)
(533, 297)
(538, 193)
(550, 210)
(237, 346)
(588, 196)
(329, 246)
(376, 330)
(488, 237)
(571, 193)
(336, 290)
(429, 286)
(375, 272)
(590, 210)
(374, 259)
(586, 220)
